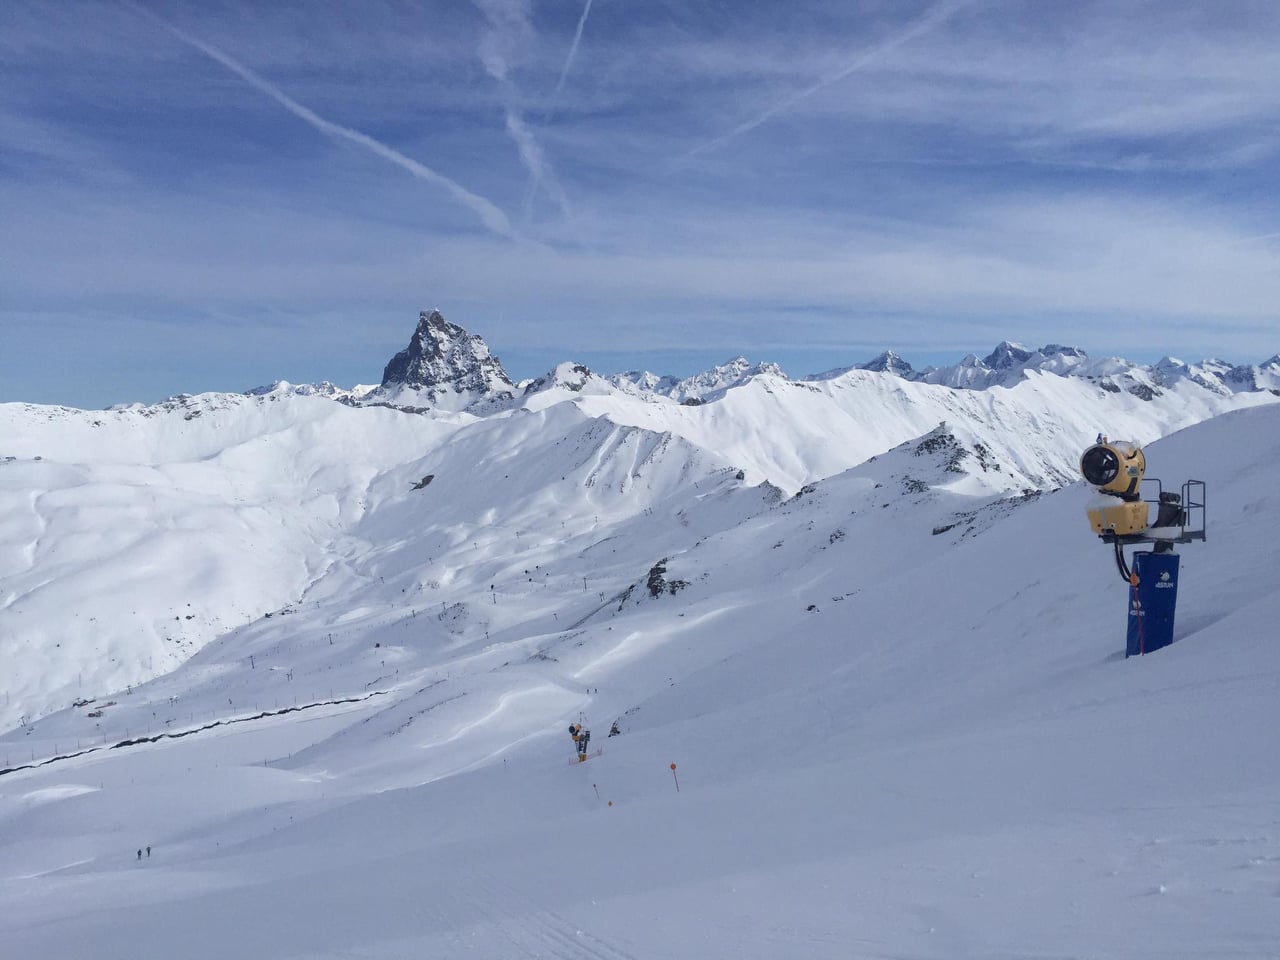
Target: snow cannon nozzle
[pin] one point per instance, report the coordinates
(1115, 467)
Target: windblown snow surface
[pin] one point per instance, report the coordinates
(332, 696)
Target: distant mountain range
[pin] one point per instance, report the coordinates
(1010, 362)
(446, 367)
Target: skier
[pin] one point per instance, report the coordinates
(581, 737)
(148, 853)
(139, 853)
(614, 731)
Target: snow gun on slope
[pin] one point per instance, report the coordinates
(581, 737)
(1121, 515)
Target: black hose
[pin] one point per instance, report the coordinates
(1120, 563)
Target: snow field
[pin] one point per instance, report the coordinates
(944, 757)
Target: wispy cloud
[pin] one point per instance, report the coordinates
(931, 19)
(490, 215)
(502, 46)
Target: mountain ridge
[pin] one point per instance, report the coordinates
(448, 367)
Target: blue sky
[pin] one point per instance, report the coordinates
(215, 195)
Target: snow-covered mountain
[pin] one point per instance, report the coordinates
(888, 362)
(223, 488)
(449, 368)
(444, 366)
(859, 620)
(1010, 363)
(701, 386)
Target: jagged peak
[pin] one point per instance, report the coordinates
(742, 367)
(644, 380)
(1061, 350)
(723, 376)
(444, 356)
(283, 387)
(1007, 354)
(569, 375)
(766, 369)
(888, 362)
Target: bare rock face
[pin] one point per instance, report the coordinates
(443, 357)
(889, 362)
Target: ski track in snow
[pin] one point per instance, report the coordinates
(536, 931)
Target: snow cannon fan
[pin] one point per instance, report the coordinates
(1116, 469)
(1121, 515)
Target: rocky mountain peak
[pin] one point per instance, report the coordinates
(722, 377)
(889, 362)
(443, 356)
(1059, 350)
(569, 375)
(1007, 354)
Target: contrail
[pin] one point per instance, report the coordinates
(931, 19)
(1256, 239)
(490, 215)
(573, 50)
(509, 27)
(536, 162)
(535, 180)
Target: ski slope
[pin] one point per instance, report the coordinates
(132, 538)
(896, 701)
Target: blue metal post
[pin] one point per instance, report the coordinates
(1152, 602)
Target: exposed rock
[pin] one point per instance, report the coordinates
(442, 356)
(657, 582)
(1007, 355)
(889, 362)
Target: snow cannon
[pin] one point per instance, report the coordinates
(1116, 469)
(1121, 515)
(581, 737)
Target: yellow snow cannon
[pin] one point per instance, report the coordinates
(1121, 516)
(581, 737)
(1116, 469)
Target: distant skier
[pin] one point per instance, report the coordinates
(148, 853)
(614, 731)
(139, 853)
